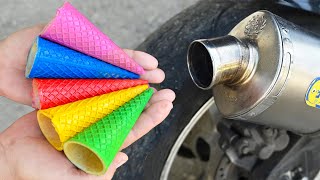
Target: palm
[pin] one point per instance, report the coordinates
(24, 140)
(32, 152)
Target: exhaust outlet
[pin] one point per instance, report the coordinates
(219, 60)
(264, 71)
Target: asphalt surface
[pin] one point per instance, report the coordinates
(128, 23)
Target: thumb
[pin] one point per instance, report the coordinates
(21, 41)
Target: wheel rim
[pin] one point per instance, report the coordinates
(196, 155)
(210, 107)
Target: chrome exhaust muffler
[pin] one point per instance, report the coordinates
(264, 71)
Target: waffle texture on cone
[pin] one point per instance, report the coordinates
(71, 29)
(60, 123)
(93, 149)
(50, 60)
(49, 93)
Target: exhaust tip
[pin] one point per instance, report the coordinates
(200, 65)
(223, 60)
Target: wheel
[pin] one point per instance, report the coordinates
(185, 145)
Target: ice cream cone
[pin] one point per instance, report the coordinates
(93, 149)
(50, 60)
(60, 123)
(49, 93)
(71, 29)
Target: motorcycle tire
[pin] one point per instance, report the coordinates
(205, 19)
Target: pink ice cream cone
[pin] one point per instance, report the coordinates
(71, 29)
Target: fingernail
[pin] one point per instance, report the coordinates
(120, 163)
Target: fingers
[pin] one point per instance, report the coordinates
(27, 125)
(157, 109)
(16, 87)
(30, 31)
(149, 63)
(22, 41)
(145, 60)
(153, 76)
(150, 118)
(13, 58)
(164, 94)
(160, 104)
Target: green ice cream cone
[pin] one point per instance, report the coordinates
(93, 149)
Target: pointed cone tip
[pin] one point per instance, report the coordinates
(48, 93)
(56, 26)
(53, 126)
(87, 157)
(53, 60)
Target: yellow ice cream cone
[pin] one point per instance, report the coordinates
(60, 123)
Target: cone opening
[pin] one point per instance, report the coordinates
(84, 158)
(49, 131)
(31, 57)
(35, 95)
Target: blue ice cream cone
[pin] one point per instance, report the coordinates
(50, 60)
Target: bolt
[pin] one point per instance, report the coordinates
(224, 146)
(265, 152)
(244, 147)
(246, 132)
(285, 177)
(268, 132)
(245, 150)
(245, 142)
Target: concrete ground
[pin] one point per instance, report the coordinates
(128, 23)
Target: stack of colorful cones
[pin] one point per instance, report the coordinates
(87, 89)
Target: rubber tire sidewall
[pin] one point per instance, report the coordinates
(205, 19)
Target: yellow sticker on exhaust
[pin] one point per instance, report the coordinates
(313, 94)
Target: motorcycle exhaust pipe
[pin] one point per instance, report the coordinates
(219, 60)
(264, 71)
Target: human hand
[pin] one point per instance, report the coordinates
(24, 152)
